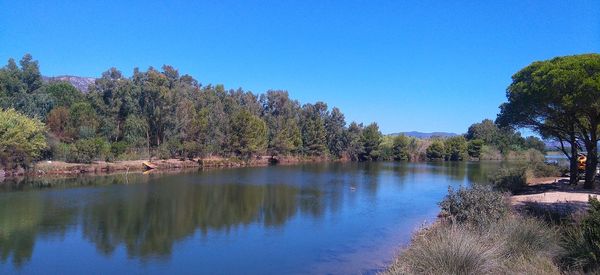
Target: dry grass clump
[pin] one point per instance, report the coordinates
(514, 245)
(479, 235)
(448, 249)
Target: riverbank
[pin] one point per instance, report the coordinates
(544, 229)
(61, 168)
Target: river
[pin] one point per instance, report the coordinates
(320, 218)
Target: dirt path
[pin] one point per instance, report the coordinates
(553, 197)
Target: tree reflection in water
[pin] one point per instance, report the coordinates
(148, 214)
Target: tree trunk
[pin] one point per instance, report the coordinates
(591, 163)
(573, 170)
(148, 144)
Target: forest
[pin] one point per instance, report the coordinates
(164, 114)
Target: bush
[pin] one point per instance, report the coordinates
(87, 150)
(118, 148)
(541, 169)
(476, 206)
(170, 149)
(509, 179)
(490, 153)
(21, 139)
(582, 242)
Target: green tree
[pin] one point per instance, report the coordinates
(560, 99)
(456, 148)
(436, 150)
(400, 150)
(136, 131)
(371, 139)
(474, 148)
(314, 135)
(486, 130)
(63, 94)
(282, 115)
(21, 138)
(84, 120)
(249, 134)
(356, 148)
(335, 124)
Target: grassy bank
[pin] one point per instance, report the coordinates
(479, 232)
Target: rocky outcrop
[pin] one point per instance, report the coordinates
(81, 83)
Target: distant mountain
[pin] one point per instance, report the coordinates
(81, 83)
(425, 135)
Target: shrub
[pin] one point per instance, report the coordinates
(118, 148)
(60, 150)
(582, 242)
(21, 139)
(448, 249)
(541, 169)
(490, 153)
(509, 179)
(477, 206)
(87, 150)
(170, 149)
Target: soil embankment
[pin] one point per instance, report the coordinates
(58, 168)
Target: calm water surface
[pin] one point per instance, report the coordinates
(325, 218)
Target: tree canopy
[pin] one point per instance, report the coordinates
(21, 138)
(560, 99)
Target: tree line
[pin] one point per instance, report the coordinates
(161, 113)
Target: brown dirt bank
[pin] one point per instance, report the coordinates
(60, 168)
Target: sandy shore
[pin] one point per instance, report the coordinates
(554, 190)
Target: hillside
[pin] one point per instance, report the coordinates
(81, 83)
(425, 135)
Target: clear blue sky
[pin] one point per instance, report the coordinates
(423, 65)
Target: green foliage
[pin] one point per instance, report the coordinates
(314, 135)
(249, 134)
(356, 148)
(582, 242)
(281, 116)
(118, 148)
(63, 94)
(560, 99)
(335, 124)
(509, 179)
(370, 139)
(136, 131)
(21, 138)
(83, 120)
(503, 139)
(476, 206)
(87, 150)
(456, 148)
(474, 148)
(173, 115)
(436, 150)
(400, 150)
